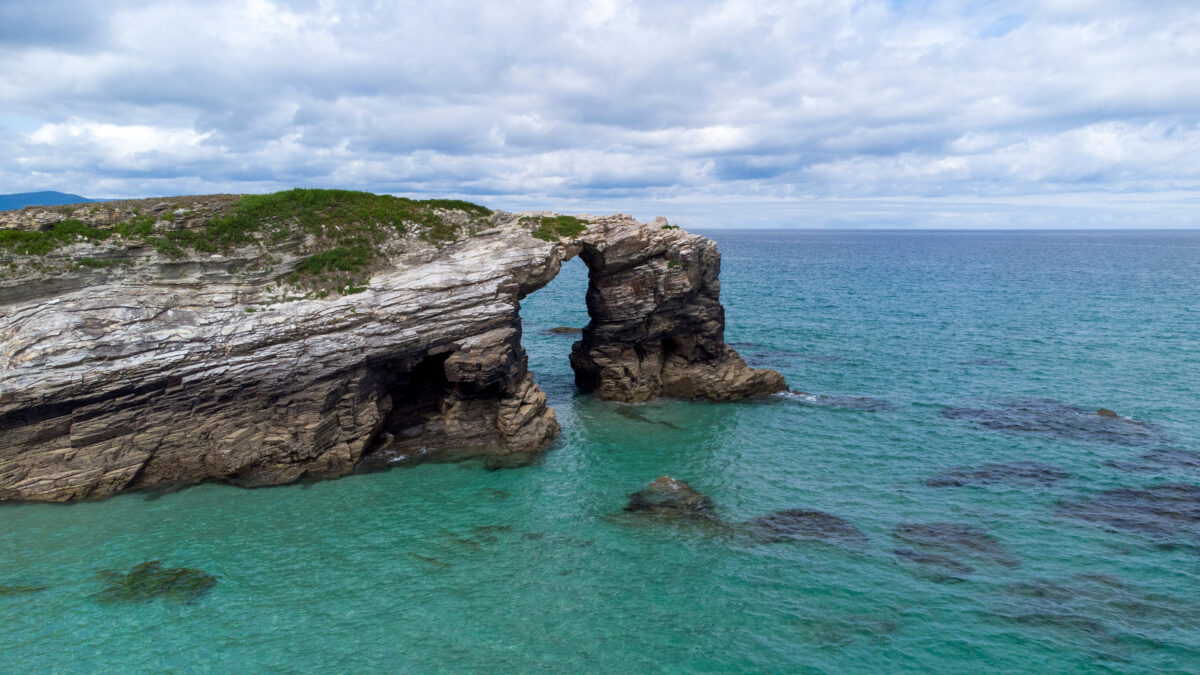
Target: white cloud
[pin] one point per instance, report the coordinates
(611, 102)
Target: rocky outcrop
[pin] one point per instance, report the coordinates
(673, 498)
(658, 327)
(162, 369)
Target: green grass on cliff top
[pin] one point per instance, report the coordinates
(337, 215)
(343, 230)
(552, 228)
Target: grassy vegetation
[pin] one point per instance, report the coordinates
(60, 234)
(553, 228)
(670, 227)
(343, 231)
(137, 227)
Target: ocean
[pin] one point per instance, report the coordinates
(951, 383)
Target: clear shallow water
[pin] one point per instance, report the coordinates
(454, 568)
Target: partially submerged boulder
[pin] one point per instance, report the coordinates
(670, 497)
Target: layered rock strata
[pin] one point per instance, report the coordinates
(166, 371)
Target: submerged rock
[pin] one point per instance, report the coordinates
(987, 362)
(1060, 620)
(844, 402)
(21, 590)
(669, 497)
(565, 330)
(1024, 473)
(149, 581)
(1090, 604)
(1047, 417)
(804, 525)
(846, 629)
(631, 412)
(1159, 461)
(955, 539)
(675, 500)
(1167, 510)
(944, 568)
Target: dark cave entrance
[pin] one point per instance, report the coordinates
(416, 392)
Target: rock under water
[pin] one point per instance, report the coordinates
(21, 590)
(1097, 608)
(631, 412)
(150, 581)
(177, 367)
(803, 525)
(1158, 461)
(943, 568)
(669, 499)
(1047, 417)
(1168, 511)
(957, 539)
(865, 403)
(1021, 473)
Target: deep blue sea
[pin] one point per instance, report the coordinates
(953, 382)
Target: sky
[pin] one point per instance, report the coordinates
(737, 113)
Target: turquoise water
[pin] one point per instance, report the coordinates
(956, 338)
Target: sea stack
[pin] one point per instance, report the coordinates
(192, 338)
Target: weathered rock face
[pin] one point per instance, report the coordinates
(169, 371)
(658, 327)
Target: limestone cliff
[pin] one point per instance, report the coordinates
(170, 341)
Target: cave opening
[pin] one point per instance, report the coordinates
(416, 392)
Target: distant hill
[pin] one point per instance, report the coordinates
(48, 198)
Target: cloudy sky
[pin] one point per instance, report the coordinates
(823, 113)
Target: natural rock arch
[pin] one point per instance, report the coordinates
(118, 387)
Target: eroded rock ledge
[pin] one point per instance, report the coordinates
(162, 370)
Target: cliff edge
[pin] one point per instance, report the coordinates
(262, 339)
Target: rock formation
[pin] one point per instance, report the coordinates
(673, 498)
(135, 352)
